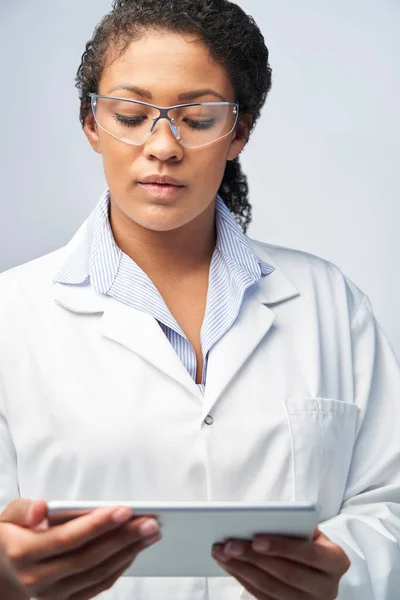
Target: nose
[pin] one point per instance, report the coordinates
(162, 143)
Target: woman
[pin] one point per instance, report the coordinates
(164, 355)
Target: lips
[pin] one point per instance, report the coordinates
(162, 180)
(162, 191)
(162, 187)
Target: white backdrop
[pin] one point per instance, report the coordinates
(323, 162)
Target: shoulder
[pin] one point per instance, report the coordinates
(312, 274)
(290, 259)
(29, 284)
(32, 283)
(35, 271)
(37, 275)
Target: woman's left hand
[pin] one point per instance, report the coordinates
(292, 569)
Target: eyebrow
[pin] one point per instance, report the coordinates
(185, 97)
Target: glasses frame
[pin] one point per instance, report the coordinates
(163, 110)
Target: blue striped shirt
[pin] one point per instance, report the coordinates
(234, 267)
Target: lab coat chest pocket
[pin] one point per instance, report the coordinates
(322, 432)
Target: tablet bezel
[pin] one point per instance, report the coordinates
(190, 528)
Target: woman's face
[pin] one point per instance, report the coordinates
(166, 65)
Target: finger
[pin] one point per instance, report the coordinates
(252, 590)
(262, 583)
(105, 584)
(83, 560)
(298, 576)
(24, 512)
(100, 572)
(43, 526)
(326, 557)
(64, 538)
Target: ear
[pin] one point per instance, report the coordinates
(92, 133)
(241, 136)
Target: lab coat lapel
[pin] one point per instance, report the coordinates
(140, 333)
(134, 329)
(252, 324)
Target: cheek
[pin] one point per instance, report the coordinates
(209, 166)
(119, 162)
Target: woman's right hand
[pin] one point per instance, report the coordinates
(73, 561)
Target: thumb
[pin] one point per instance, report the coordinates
(25, 512)
(316, 534)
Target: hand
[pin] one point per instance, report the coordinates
(291, 569)
(76, 560)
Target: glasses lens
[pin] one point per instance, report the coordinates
(127, 121)
(195, 126)
(203, 124)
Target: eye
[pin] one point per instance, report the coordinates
(129, 121)
(200, 124)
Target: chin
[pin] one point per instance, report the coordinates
(161, 220)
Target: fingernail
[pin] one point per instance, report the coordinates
(121, 515)
(234, 548)
(220, 555)
(261, 545)
(148, 528)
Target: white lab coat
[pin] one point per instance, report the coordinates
(303, 390)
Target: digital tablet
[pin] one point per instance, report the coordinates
(189, 530)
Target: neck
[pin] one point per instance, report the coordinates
(177, 254)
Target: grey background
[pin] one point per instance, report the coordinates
(323, 162)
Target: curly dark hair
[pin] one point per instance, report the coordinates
(232, 38)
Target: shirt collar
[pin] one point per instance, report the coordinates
(97, 257)
(234, 244)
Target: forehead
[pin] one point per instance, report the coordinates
(167, 64)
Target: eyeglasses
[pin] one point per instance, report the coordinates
(193, 125)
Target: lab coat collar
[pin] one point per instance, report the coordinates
(98, 257)
(140, 333)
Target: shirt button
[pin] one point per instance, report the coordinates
(209, 420)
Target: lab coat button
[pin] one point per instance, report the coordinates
(209, 420)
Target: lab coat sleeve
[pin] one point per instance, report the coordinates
(368, 524)
(9, 486)
(9, 489)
